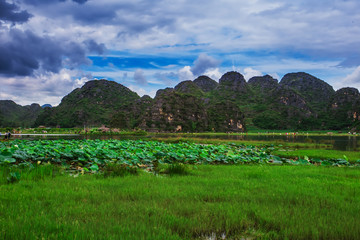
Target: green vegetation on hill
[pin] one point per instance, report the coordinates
(14, 115)
(299, 102)
(344, 109)
(93, 104)
(185, 111)
(316, 92)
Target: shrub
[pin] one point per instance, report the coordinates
(119, 170)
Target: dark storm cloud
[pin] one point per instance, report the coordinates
(131, 18)
(137, 26)
(11, 13)
(41, 2)
(92, 14)
(25, 52)
(94, 47)
(47, 2)
(203, 63)
(80, 1)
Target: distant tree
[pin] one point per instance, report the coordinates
(120, 120)
(269, 120)
(45, 118)
(1, 120)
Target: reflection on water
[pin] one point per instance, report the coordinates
(345, 143)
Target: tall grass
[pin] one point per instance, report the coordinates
(15, 173)
(352, 156)
(266, 202)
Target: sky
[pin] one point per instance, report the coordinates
(49, 48)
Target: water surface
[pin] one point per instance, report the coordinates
(345, 143)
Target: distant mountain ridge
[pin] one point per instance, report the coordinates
(46, 105)
(14, 115)
(299, 101)
(92, 104)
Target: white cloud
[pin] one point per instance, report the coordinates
(289, 29)
(351, 80)
(142, 91)
(43, 87)
(354, 77)
(213, 73)
(275, 76)
(250, 72)
(298, 25)
(185, 73)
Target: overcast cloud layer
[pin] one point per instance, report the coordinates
(48, 48)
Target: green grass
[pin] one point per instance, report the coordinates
(276, 143)
(256, 201)
(319, 153)
(15, 173)
(251, 131)
(262, 132)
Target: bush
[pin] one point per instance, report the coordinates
(119, 170)
(172, 169)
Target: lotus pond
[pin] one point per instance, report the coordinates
(87, 156)
(336, 142)
(212, 202)
(227, 191)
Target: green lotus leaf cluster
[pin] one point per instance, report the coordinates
(96, 154)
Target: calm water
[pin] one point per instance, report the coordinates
(346, 143)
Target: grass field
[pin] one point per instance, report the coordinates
(278, 143)
(211, 202)
(352, 156)
(265, 132)
(251, 131)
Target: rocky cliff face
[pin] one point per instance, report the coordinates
(345, 97)
(226, 116)
(277, 106)
(299, 101)
(174, 111)
(183, 109)
(189, 87)
(233, 87)
(187, 108)
(344, 109)
(233, 81)
(263, 85)
(288, 97)
(316, 92)
(205, 83)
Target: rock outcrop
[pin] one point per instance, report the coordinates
(205, 83)
(189, 87)
(264, 84)
(233, 81)
(344, 109)
(299, 101)
(316, 92)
